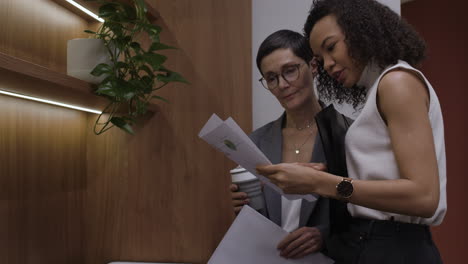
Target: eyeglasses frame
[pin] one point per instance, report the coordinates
(282, 75)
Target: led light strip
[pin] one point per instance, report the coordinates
(85, 10)
(50, 102)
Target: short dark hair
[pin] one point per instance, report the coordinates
(284, 39)
(373, 32)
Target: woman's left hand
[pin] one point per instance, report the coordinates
(297, 178)
(301, 242)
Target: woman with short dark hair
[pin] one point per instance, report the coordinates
(284, 60)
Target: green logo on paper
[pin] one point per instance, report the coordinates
(229, 144)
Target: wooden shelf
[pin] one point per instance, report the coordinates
(17, 74)
(153, 14)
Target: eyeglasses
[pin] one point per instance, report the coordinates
(289, 73)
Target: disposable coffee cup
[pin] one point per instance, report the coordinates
(248, 183)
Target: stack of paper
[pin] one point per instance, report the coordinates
(229, 138)
(252, 239)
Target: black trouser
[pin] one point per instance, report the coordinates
(382, 242)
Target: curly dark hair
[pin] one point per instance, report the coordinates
(373, 33)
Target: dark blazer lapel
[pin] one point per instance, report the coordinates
(272, 146)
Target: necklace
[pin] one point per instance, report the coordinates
(307, 126)
(310, 125)
(297, 149)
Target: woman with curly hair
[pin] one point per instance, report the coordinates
(395, 150)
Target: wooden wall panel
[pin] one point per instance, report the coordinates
(43, 147)
(38, 30)
(42, 183)
(68, 196)
(162, 195)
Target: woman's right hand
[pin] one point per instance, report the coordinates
(239, 199)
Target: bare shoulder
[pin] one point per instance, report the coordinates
(402, 93)
(402, 86)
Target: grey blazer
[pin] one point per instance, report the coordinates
(269, 140)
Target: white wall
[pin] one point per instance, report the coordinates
(269, 16)
(395, 5)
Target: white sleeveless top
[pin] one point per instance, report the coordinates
(369, 154)
(290, 213)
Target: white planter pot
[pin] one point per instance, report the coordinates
(83, 55)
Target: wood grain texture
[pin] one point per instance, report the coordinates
(93, 6)
(43, 147)
(17, 65)
(49, 85)
(162, 195)
(42, 183)
(37, 31)
(68, 196)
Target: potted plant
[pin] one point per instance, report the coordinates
(134, 73)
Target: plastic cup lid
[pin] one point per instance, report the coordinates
(240, 174)
(237, 169)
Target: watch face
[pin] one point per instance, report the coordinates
(345, 188)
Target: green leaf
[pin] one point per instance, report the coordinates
(138, 58)
(146, 84)
(136, 47)
(141, 107)
(146, 80)
(106, 88)
(135, 71)
(122, 124)
(90, 31)
(122, 87)
(161, 98)
(105, 91)
(117, 29)
(127, 39)
(159, 46)
(140, 86)
(101, 69)
(107, 10)
(146, 69)
(121, 65)
(141, 9)
(152, 30)
(164, 69)
(154, 37)
(172, 77)
(154, 59)
(130, 12)
(129, 95)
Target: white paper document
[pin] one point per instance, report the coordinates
(229, 138)
(252, 239)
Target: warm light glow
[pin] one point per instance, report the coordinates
(85, 10)
(50, 102)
